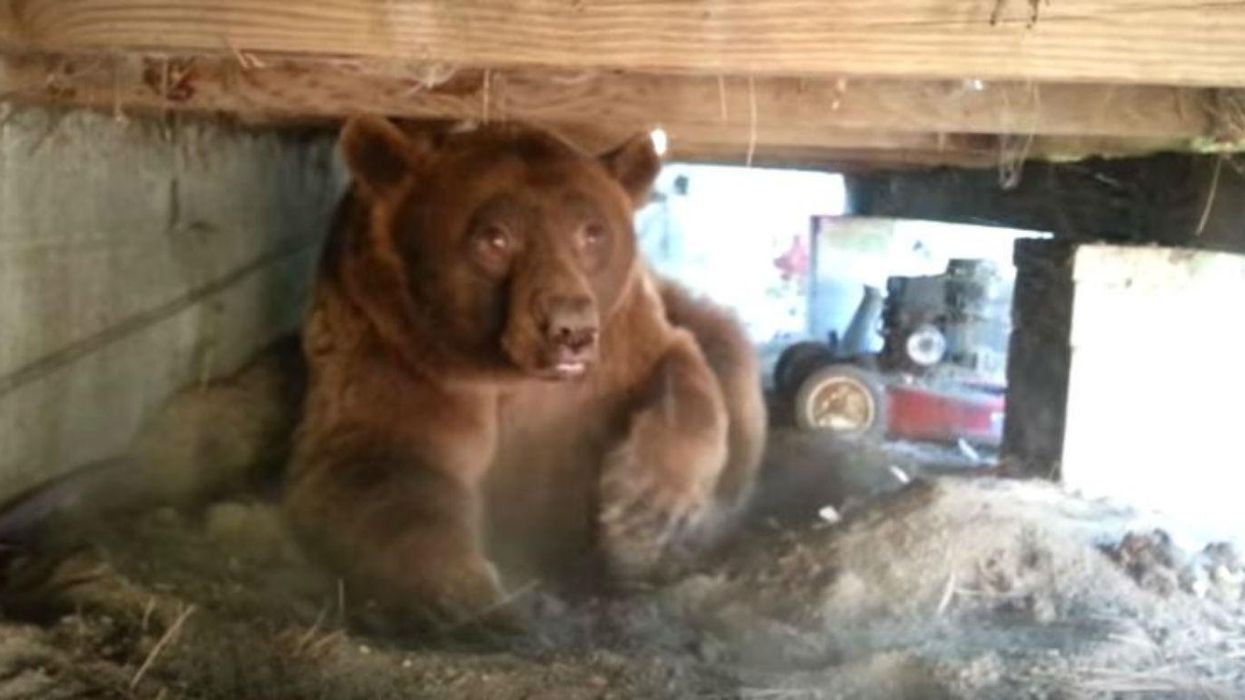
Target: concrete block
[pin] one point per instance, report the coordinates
(1155, 385)
(138, 257)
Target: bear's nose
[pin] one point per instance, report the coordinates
(571, 324)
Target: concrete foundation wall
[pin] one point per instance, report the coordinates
(1155, 385)
(137, 258)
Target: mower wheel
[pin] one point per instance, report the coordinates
(797, 362)
(845, 400)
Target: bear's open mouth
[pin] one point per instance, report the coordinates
(565, 370)
(572, 368)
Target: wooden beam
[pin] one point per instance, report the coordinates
(598, 110)
(1177, 42)
(960, 151)
(1171, 199)
(843, 160)
(319, 89)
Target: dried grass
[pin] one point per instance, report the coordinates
(1160, 680)
(752, 120)
(165, 640)
(1226, 110)
(1014, 149)
(1210, 199)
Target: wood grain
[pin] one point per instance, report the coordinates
(830, 113)
(1174, 42)
(885, 121)
(599, 110)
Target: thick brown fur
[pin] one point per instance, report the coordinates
(495, 378)
(734, 361)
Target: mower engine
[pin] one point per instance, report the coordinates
(952, 326)
(942, 372)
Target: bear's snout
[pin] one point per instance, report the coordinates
(558, 336)
(570, 327)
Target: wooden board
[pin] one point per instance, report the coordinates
(1177, 42)
(959, 152)
(156, 88)
(1172, 199)
(318, 88)
(763, 120)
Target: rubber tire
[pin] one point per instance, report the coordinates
(797, 362)
(871, 381)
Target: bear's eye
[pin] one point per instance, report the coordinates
(594, 233)
(493, 237)
(491, 246)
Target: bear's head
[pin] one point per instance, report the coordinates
(510, 247)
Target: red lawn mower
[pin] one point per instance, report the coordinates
(941, 373)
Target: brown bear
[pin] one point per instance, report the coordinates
(497, 381)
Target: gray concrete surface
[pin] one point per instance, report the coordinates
(138, 257)
(1155, 384)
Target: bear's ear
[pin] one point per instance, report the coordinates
(378, 154)
(635, 165)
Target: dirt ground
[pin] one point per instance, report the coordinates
(947, 587)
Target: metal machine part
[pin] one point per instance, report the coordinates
(969, 305)
(941, 372)
(926, 346)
